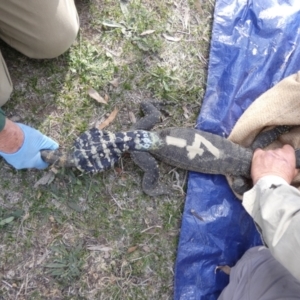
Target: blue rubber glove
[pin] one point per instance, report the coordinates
(29, 156)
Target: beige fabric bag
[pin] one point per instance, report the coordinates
(280, 105)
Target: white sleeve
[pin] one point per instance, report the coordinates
(275, 207)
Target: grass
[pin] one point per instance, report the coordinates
(100, 237)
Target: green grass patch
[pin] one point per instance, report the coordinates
(100, 237)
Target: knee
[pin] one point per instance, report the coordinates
(55, 44)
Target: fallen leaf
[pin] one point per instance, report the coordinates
(106, 97)
(115, 82)
(25, 217)
(54, 170)
(110, 118)
(124, 8)
(132, 249)
(112, 24)
(147, 32)
(198, 6)
(108, 54)
(46, 179)
(95, 95)
(186, 112)
(74, 206)
(112, 53)
(171, 38)
(99, 248)
(132, 117)
(6, 221)
(146, 248)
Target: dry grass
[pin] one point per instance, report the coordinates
(100, 237)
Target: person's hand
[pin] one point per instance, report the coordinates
(28, 153)
(280, 162)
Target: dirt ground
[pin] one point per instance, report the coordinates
(67, 235)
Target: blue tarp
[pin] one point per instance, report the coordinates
(255, 44)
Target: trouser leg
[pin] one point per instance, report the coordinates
(5, 82)
(36, 28)
(39, 28)
(258, 275)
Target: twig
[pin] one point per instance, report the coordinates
(183, 32)
(19, 290)
(138, 258)
(26, 283)
(7, 284)
(116, 201)
(195, 214)
(155, 226)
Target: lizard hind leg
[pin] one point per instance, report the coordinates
(148, 164)
(151, 116)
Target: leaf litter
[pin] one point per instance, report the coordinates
(171, 38)
(110, 119)
(96, 96)
(109, 222)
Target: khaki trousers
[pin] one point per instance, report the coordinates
(38, 29)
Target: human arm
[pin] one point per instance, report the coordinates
(20, 145)
(11, 137)
(275, 205)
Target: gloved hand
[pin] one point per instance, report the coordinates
(29, 156)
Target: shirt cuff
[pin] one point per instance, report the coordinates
(2, 119)
(262, 184)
